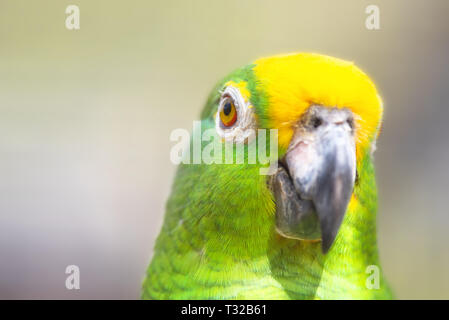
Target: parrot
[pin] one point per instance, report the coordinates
(304, 229)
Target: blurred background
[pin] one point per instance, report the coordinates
(85, 118)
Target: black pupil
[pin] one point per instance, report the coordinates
(227, 108)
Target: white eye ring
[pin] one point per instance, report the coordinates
(245, 117)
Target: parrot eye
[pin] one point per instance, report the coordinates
(235, 116)
(228, 115)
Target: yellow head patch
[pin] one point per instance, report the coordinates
(295, 82)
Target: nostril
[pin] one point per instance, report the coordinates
(339, 123)
(316, 122)
(350, 122)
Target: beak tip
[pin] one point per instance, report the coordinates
(325, 246)
(328, 239)
(324, 249)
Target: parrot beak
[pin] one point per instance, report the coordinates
(313, 186)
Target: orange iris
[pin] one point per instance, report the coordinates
(228, 114)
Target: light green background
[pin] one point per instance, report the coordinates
(85, 118)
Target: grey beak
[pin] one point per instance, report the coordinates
(322, 171)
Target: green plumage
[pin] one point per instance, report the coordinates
(218, 239)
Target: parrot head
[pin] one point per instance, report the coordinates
(327, 114)
(281, 204)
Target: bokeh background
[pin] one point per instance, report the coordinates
(85, 118)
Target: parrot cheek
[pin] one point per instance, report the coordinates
(295, 217)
